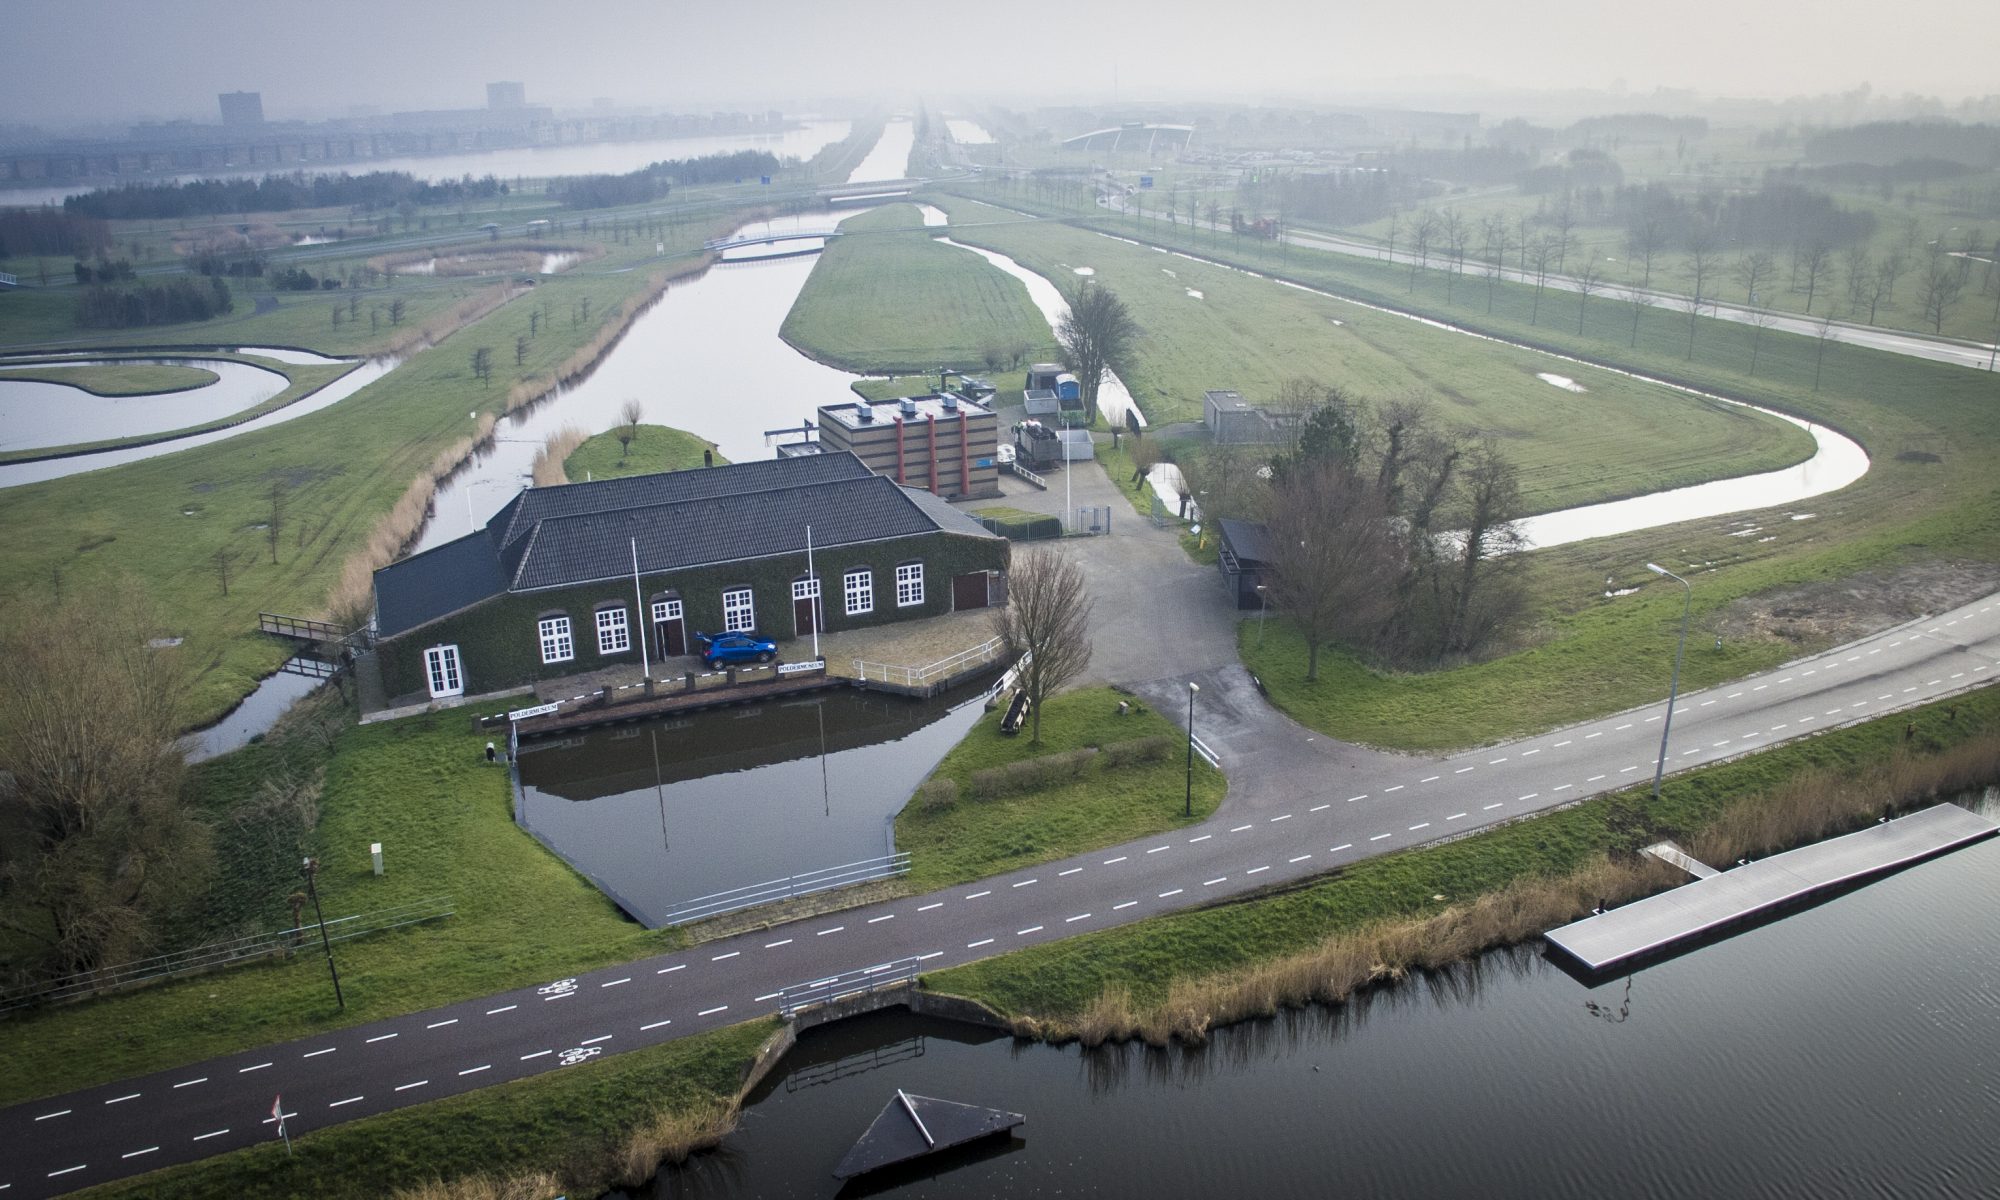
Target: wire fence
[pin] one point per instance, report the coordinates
(215, 955)
(805, 883)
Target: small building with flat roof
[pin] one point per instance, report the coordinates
(1234, 421)
(943, 443)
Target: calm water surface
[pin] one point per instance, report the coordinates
(36, 416)
(1850, 1050)
(658, 813)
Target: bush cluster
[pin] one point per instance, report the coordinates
(1138, 751)
(936, 795)
(1031, 774)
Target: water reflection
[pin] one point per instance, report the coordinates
(41, 415)
(1844, 1050)
(661, 812)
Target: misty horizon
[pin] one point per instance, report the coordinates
(805, 57)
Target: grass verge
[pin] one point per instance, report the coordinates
(583, 1129)
(1172, 975)
(422, 788)
(1102, 804)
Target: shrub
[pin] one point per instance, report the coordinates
(989, 783)
(1137, 751)
(936, 795)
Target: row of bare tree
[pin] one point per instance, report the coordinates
(1388, 531)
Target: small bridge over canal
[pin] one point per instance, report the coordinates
(721, 245)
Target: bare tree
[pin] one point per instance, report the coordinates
(1456, 234)
(482, 364)
(1643, 242)
(520, 348)
(1895, 261)
(629, 416)
(1426, 232)
(1565, 223)
(1759, 320)
(1482, 598)
(1938, 288)
(1335, 558)
(396, 311)
(1815, 260)
(1544, 256)
(1588, 280)
(99, 845)
(1859, 270)
(222, 560)
(1753, 270)
(1047, 619)
(1495, 228)
(1702, 262)
(1096, 336)
(1823, 333)
(1640, 303)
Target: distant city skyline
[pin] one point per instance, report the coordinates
(311, 61)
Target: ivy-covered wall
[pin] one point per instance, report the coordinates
(498, 645)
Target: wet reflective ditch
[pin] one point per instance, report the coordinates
(662, 813)
(38, 416)
(1845, 1050)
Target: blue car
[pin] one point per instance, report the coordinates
(719, 648)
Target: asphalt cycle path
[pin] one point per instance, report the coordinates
(1301, 804)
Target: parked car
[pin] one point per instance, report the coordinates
(719, 648)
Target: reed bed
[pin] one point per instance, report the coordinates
(548, 466)
(354, 596)
(671, 1136)
(535, 1185)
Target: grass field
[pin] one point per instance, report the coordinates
(1618, 438)
(1064, 978)
(1104, 805)
(657, 448)
(119, 379)
(165, 521)
(885, 297)
(1928, 498)
(422, 788)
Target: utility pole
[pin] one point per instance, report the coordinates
(312, 869)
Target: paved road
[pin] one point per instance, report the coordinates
(1300, 804)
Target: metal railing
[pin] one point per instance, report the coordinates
(223, 954)
(306, 628)
(934, 673)
(1030, 476)
(806, 883)
(894, 973)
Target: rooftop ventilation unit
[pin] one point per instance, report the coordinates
(908, 406)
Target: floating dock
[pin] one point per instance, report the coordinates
(1649, 928)
(914, 1126)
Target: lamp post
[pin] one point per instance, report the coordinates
(1188, 809)
(1263, 610)
(1674, 690)
(312, 869)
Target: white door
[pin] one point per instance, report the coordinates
(441, 668)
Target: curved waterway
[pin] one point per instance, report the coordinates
(1847, 1050)
(1837, 459)
(36, 416)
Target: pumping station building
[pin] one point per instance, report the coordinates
(565, 580)
(945, 443)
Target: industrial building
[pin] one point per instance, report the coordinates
(943, 443)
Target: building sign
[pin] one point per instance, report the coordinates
(540, 710)
(800, 668)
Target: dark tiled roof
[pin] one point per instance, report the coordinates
(554, 537)
(436, 583)
(721, 529)
(1247, 540)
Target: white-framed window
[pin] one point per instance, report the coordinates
(859, 588)
(805, 589)
(666, 610)
(557, 644)
(613, 635)
(739, 610)
(909, 584)
(442, 670)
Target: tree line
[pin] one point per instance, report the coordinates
(655, 180)
(1884, 143)
(50, 232)
(276, 193)
(169, 303)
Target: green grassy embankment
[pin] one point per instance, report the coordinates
(1100, 805)
(885, 297)
(657, 448)
(422, 788)
(119, 379)
(1928, 498)
(172, 522)
(574, 1127)
(1142, 963)
(1618, 438)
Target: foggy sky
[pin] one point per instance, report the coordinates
(117, 60)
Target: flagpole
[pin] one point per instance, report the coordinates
(814, 580)
(639, 619)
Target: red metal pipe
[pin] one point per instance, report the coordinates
(899, 449)
(964, 455)
(932, 422)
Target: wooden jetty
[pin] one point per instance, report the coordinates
(1651, 927)
(911, 1127)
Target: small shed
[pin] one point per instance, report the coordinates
(1244, 558)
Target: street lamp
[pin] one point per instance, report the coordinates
(312, 869)
(1193, 687)
(1263, 610)
(1674, 690)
